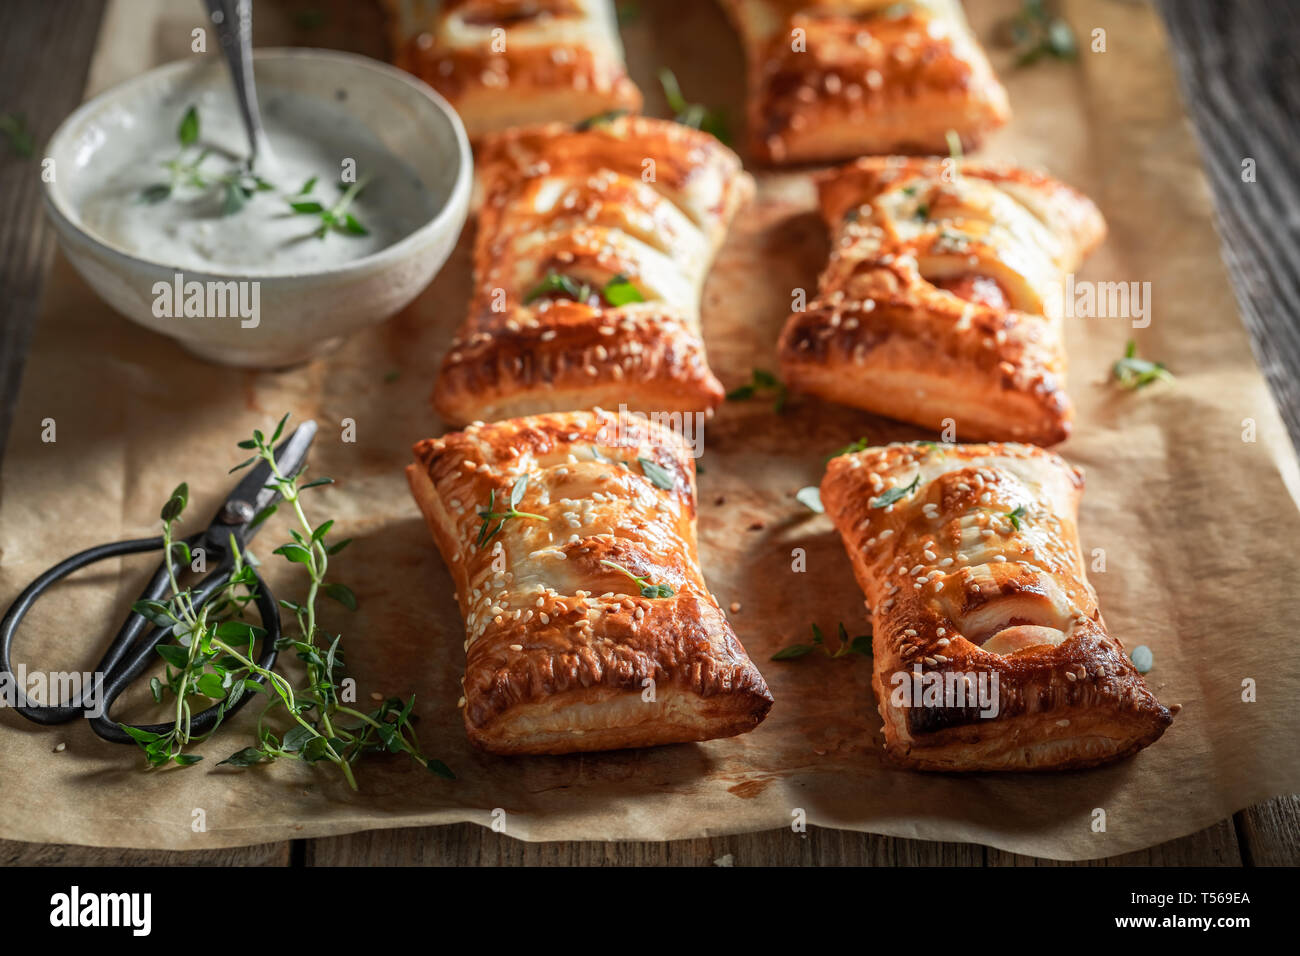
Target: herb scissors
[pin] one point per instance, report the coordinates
(129, 656)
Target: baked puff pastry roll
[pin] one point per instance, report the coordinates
(940, 303)
(990, 650)
(504, 63)
(571, 539)
(834, 79)
(592, 249)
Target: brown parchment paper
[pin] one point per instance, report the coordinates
(1196, 524)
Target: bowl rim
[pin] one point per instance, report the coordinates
(61, 210)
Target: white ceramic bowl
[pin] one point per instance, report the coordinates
(304, 313)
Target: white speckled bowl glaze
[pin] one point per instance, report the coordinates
(305, 313)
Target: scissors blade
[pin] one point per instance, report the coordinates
(252, 494)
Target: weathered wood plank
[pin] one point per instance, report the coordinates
(13, 853)
(470, 845)
(1270, 832)
(1215, 846)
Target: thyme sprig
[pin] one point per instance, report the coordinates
(762, 382)
(490, 514)
(13, 127)
(335, 218)
(1035, 33)
(694, 115)
(237, 186)
(619, 290)
(897, 493)
(1133, 373)
(213, 657)
(647, 589)
(846, 645)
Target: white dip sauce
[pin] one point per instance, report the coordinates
(189, 228)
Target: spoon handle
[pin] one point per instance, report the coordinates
(233, 20)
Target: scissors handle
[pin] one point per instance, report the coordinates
(127, 657)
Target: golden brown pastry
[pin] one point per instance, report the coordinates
(504, 63)
(940, 304)
(834, 79)
(589, 625)
(969, 557)
(592, 249)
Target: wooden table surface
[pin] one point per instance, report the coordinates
(1241, 81)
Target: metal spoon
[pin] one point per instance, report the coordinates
(233, 20)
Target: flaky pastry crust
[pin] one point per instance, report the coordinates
(834, 79)
(941, 300)
(975, 572)
(564, 652)
(643, 200)
(504, 63)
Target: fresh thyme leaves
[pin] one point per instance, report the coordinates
(214, 658)
(647, 589)
(811, 498)
(762, 381)
(188, 130)
(857, 645)
(896, 493)
(694, 115)
(13, 126)
(335, 218)
(1015, 515)
(236, 186)
(1035, 33)
(619, 291)
(600, 119)
(490, 514)
(555, 282)
(1133, 373)
(656, 473)
(850, 448)
(308, 186)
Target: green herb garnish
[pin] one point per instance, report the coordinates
(1133, 373)
(13, 126)
(335, 218)
(501, 517)
(896, 493)
(1035, 33)
(694, 115)
(556, 282)
(858, 645)
(1015, 515)
(236, 186)
(656, 473)
(600, 119)
(762, 381)
(214, 655)
(647, 589)
(619, 291)
(851, 448)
